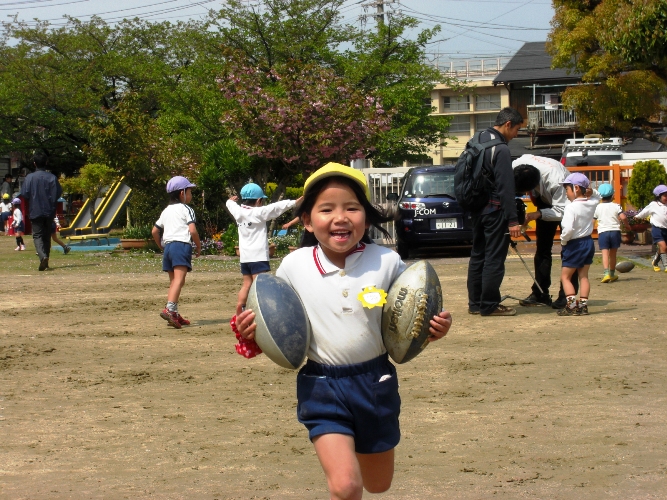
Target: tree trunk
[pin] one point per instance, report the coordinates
(93, 223)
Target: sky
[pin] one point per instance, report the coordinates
(471, 29)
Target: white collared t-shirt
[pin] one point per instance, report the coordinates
(175, 220)
(658, 213)
(578, 218)
(344, 331)
(607, 215)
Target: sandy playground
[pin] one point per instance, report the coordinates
(99, 398)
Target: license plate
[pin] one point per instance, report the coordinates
(445, 224)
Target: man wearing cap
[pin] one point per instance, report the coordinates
(251, 218)
(41, 189)
(541, 179)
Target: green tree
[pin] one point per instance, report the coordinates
(646, 175)
(620, 47)
(91, 182)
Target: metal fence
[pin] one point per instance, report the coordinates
(381, 182)
(546, 116)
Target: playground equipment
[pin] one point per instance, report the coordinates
(107, 209)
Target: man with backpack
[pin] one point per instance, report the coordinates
(496, 220)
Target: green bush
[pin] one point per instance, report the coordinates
(143, 232)
(230, 239)
(646, 175)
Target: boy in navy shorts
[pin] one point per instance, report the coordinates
(575, 238)
(177, 222)
(251, 218)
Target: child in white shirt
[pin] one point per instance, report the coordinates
(5, 211)
(251, 218)
(178, 224)
(578, 247)
(17, 224)
(609, 216)
(658, 211)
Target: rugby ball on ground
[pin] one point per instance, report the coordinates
(283, 329)
(413, 299)
(625, 266)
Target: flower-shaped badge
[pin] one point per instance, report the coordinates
(371, 297)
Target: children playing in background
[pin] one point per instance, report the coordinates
(177, 222)
(578, 248)
(18, 225)
(657, 210)
(55, 229)
(347, 392)
(609, 216)
(251, 218)
(5, 211)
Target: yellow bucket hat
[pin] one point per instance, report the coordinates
(334, 169)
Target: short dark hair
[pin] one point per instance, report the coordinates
(175, 196)
(526, 178)
(40, 160)
(10, 176)
(508, 115)
(249, 202)
(373, 216)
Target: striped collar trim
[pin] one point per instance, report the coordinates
(324, 265)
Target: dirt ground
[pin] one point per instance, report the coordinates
(99, 398)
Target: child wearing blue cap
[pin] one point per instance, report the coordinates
(577, 244)
(251, 218)
(658, 211)
(177, 222)
(609, 216)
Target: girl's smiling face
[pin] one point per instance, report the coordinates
(337, 220)
(663, 198)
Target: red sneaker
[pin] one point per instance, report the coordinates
(182, 320)
(171, 317)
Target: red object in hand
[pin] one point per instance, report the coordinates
(246, 348)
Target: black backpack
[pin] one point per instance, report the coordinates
(473, 182)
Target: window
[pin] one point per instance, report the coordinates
(484, 121)
(460, 124)
(456, 103)
(489, 101)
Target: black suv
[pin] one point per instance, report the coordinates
(428, 213)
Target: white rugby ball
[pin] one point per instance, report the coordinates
(283, 329)
(413, 299)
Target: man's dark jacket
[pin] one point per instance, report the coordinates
(41, 189)
(499, 161)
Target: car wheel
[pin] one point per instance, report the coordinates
(403, 250)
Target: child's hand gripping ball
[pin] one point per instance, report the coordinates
(413, 299)
(283, 328)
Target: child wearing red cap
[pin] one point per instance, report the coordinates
(177, 222)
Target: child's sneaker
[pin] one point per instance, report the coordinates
(18, 248)
(606, 279)
(583, 310)
(182, 320)
(22, 247)
(171, 317)
(656, 269)
(613, 278)
(570, 312)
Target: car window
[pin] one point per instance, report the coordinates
(421, 185)
(594, 158)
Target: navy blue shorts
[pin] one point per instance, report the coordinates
(351, 400)
(5, 216)
(608, 240)
(177, 253)
(252, 268)
(578, 252)
(658, 234)
(20, 228)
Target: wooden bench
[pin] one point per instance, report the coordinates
(83, 237)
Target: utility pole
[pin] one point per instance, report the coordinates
(380, 12)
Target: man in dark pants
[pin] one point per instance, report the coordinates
(541, 178)
(41, 189)
(495, 223)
